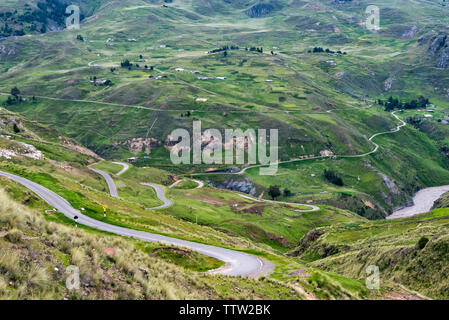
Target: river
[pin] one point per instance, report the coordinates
(423, 202)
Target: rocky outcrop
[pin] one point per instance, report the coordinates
(388, 83)
(243, 185)
(409, 34)
(259, 10)
(138, 145)
(438, 47)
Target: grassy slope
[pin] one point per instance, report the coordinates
(303, 85)
(83, 189)
(392, 246)
(35, 253)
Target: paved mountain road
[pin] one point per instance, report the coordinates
(160, 194)
(199, 182)
(237, 263)
(111, 185)
(124, 165)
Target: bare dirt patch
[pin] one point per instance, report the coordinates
(208, 200)
(243, 208)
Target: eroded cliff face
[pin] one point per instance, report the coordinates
(241, 185)
(438, 47)
(260, 9)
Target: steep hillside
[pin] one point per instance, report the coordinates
(115, 268)
(35, 256)
(273, 75)
(411, 251)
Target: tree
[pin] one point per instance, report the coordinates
(16, 128)
(332, 177)
(274, 192)
(126, 64)
(15, 92)
(9, 101)
(287, 192)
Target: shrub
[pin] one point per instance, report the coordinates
(332, 177)
(422, 243)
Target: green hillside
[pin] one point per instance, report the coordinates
(363, 121)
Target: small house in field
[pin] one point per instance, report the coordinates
(102, 81)
(326, 153)
(199, 100)
(180, 69)
(132, 159)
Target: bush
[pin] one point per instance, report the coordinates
(274, 192)
(14, 236)
(332, 177)
(422, 243)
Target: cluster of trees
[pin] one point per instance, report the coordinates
(275, 191)
(15, 97)
(327, 50)
(395, 103)
(224, 48)
(255, 49)
(187, 114)
(333, 177)
(126, 64)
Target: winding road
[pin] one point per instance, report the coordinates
(113, 189)
(313, 207)
(111, 185)
(124, 165)
(376, 148)
(200, 183)
(236, 263)
(160, 194)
